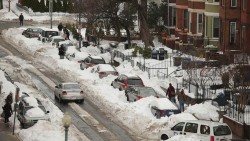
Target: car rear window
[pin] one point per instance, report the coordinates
(71, 86)
(135, 82)
(221, 130)
(97, 61)
(147, 92)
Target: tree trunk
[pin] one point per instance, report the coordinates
(144, 30)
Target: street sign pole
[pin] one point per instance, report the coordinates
(15, 107)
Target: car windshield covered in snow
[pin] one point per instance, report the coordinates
(71, 86)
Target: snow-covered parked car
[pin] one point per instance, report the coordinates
(162, 107)
(135, 93)
(71, 52)
(90, 61)
(104, 70)
(30, 110)
(56, 39)
(203, 130)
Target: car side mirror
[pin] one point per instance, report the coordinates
(56, 86)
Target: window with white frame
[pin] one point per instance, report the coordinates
(216, 27)
(190, 21)
(233, 3)
(243, 36)
(244, 4)
(232, 32)
(173, 17)
(185, 19)
(199, 22)
(222, 2)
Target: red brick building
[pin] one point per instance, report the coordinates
(235, 26)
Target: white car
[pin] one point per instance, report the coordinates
(202, 129)
(30, 110)
(104, 70)
(56, 39)
(69, 92)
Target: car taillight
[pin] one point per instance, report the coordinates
(124, 86)
(161, 113)
(81, 92)
(142, 83)
(90, 65)
(140, 97)
(102, 73)
(64, 93)
(211, 138)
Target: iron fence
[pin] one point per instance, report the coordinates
(234, 112)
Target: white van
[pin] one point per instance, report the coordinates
(204, 130)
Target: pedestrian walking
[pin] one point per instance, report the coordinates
(9, 98)
(181, 99)
(66, 32)
(21, 18)
(171, 93)
(60, 27)
(7, 109)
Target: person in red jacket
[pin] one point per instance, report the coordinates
(171, 93)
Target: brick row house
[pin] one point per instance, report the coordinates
(213, 25)
(234, 18)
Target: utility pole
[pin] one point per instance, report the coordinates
(80, 25)
(51, 11)
(9, 4)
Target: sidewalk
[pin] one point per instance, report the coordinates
(6, 132)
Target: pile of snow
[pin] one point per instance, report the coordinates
(163, 104)
(35, 112)
(204, 111)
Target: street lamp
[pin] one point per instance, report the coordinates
(66, 120)
(50, 11)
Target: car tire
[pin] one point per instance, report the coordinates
(60, 99)
(164, 137)
(22, 125)
(127, 98)
(81, 101)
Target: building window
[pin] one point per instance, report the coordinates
(185, 19)
(243, 37)
(216, 0)
(233, 3)
(221, 31)
(216, 27)
(244, 4)
(173, 17)
(232, 32)
(222, 2)
(199, 23)
(190, 21)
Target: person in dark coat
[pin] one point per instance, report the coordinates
(21, 19)
(66, 31)
(7, 109)
(171, 93)
(62, 51)
(9, 98)
(60, 27)
(181, 99)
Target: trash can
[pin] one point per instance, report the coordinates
(154, 54)
(125, 45)
(177, 61)
(161, 54)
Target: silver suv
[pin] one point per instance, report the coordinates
(30, 110)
